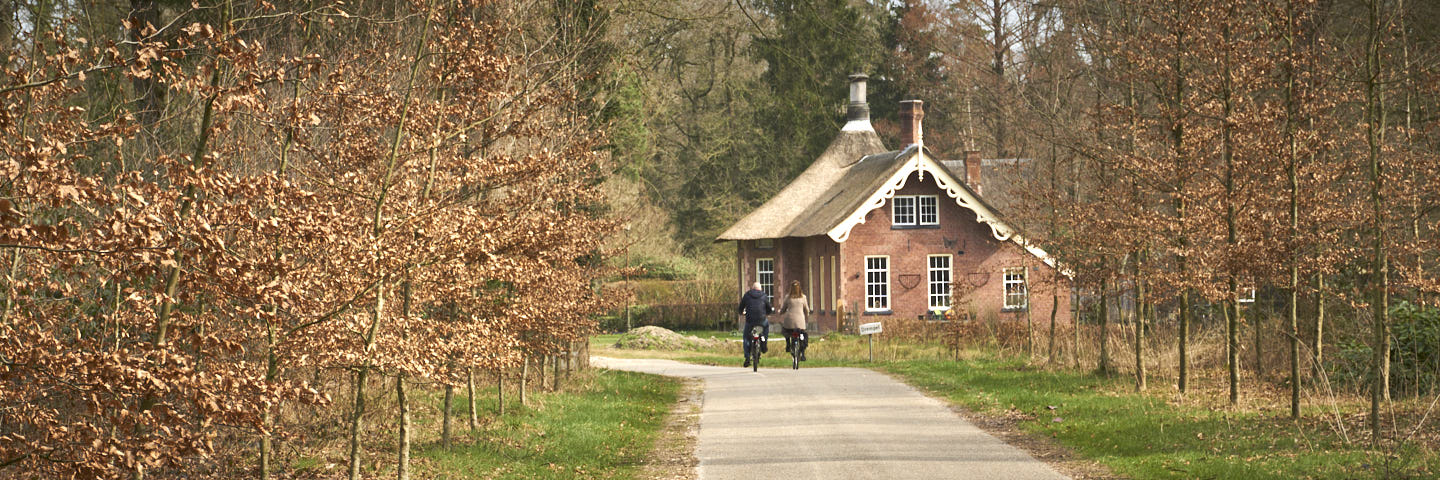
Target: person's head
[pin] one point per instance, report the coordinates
(755, 286)
(795, 289)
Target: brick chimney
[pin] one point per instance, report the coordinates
(857, 114)
(911, 112)
(972, 170)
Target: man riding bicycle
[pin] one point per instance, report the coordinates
(755, 306)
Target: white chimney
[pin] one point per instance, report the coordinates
(857, 115)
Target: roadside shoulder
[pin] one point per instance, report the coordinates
(673, 454)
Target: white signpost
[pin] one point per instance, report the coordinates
(869, 330)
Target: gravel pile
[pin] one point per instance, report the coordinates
(660, 338)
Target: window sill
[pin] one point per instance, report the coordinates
(879, 312)
(1013, 309)
(915, 227)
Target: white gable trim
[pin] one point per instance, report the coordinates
(953, 188)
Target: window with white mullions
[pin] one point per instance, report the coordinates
(928, 210)
(902, 210)
(1015, 289)
(877, 283)
(765, 274)
(939, 273)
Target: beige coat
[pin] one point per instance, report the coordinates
(794, 312)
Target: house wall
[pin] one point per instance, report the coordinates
(796, 259)
(977, 264)
(822, 256)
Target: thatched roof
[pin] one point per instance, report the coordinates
(800, 209)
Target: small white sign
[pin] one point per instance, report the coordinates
(870, 328)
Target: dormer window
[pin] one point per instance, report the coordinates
(914, 210)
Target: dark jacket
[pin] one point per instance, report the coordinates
(755, 306)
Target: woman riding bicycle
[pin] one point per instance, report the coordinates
(793, 313)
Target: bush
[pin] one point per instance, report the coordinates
(1415, 350)
(671, 268)
(1414, 353)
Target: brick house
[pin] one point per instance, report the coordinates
(892, 234)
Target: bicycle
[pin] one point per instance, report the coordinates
(795, 336)
(754, 353)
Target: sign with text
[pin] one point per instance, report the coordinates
(870, 328)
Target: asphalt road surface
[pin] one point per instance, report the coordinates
(833, 423)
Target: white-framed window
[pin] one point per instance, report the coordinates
(939, 274)
(912, 210)
(765, 274)
(1015, 289)
(1245, 295)
(766, 243)
(902, 210)
(877, 283)
(834, 283)
(928, 209)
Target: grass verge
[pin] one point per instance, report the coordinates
(602, 426)
(1146, 436)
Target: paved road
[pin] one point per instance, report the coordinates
(837, 423)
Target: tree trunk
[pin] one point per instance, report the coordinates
(1232, 346)
(1227, 152)
(267, 421)
(1029, 325)
(1104, 363)
(1317, 349)
(997, 71)
(1292, 178)
(555, 374)
(447, 417)
(470, 392)
(151, 102)
(7, 26)
(1054, 310)
(360, 375)
(1259, 319)
(1075, 316)
(1177, 136)
(356, 412)
(524, 377)
(402, 470)
(172, 279)
(1379, 284)
(1140, 303)
(500, 392)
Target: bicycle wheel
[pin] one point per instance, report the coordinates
(755, 349)
(795, 359)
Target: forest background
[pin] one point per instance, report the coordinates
(213, 208)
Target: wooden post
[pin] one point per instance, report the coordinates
(871, 339)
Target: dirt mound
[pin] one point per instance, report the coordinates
(659, 338)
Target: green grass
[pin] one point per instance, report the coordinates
(1144, 436)
(603, 427)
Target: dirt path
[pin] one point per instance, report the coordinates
(833, 423)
